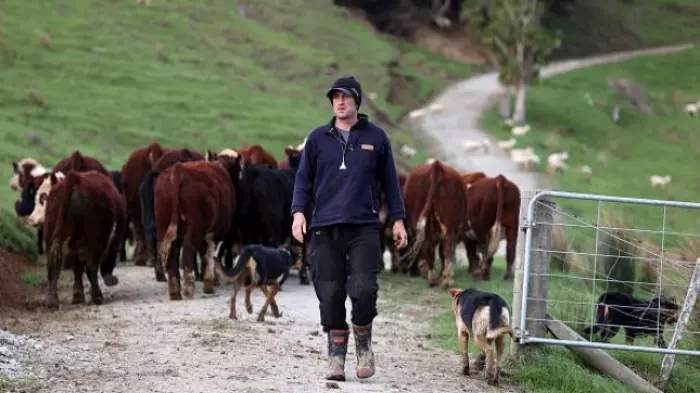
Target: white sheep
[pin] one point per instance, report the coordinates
(435, 107)
(660, 181)
(506, 145)
(586, 172)
(407, 151)
(482, 145)
(416, 113)
(557, 161)
(520, 130)
(691, 109)
(525, 158)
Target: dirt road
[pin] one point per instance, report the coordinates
(139, 341)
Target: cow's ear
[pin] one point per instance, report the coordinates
(288, 151)
(54, 178)
(15, 167)
(454, 292)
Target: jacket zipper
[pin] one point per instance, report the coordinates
(343, 146)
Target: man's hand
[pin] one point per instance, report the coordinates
(299, 227)
(400, 236)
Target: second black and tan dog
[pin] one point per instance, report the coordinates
(257, 266)
(615, 310)
(484, 316)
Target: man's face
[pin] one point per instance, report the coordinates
(344, 106)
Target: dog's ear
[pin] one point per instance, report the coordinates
(455, 292)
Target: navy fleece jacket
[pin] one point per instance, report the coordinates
(350, 195)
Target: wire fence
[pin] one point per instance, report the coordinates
(618, 270)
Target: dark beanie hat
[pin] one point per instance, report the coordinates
(348, 85)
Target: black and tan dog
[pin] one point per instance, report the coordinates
(260, 267)
(484, 316)
(615, 310)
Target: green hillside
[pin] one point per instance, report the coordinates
(601, 26)
(622, 156)
(111, 76)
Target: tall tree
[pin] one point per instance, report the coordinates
(512, 30)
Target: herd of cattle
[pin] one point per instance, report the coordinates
(170, 201)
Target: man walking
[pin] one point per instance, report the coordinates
(343, 166)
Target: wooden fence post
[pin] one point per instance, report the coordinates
(539, 267)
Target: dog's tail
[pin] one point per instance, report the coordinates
(245, 258)
(499, 320)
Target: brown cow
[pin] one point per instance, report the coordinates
(80, 163)
(435, 200)
(397, 264)
(134, 170)
(147, 197)
(255, 154)
(194, 201)
(471, 177)
(75, 162)
(84, 224)
(493, 205)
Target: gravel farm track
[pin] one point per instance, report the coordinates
(139, 341)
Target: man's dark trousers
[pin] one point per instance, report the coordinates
(344, 260)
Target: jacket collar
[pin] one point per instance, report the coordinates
(362, 123)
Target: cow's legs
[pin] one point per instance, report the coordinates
(486, 269)
(511, 243)
(95, 292)
(449, 245)
(429, 257)
(53, 272)
(189, 258)
(160, 266)
(473, 257)
(109, 262)
(172, 266)
(208, 263)
(141, 255)
(78, 289)
(441, 255)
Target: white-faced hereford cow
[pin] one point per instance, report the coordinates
(29, 182)
(493, 209)
(23, 172)
(435, 199)
(84, 224)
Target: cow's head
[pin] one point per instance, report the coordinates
(232, 165)
(36, 219)
(23, 173)
(293, 156)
